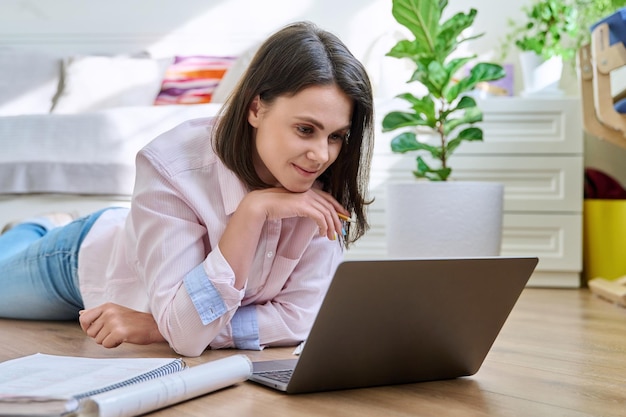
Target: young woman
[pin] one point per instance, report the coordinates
(234, 230)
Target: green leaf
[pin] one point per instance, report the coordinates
(451, 29)
(422, 75)
(471, 115)
(397, 119)
(469, 134)
(465, 102)
(405, 49)
(437, 78)
(424, 106)
(456, 24)
(407, 142)
(421, 169)
(425, 171)
(486, 71)
(479, 73)
(421, 17)
(455, 65)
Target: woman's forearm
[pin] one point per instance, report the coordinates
(240, 240)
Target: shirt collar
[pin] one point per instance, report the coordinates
(232, 188)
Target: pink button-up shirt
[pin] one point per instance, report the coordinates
(162, 256)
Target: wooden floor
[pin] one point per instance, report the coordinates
(562, 352)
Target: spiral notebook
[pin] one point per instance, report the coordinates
(62, 386)
(50, 381)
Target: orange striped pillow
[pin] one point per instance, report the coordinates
(192, 79)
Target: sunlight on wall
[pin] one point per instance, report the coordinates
(229, 27)
(367, 28)
(376, 20)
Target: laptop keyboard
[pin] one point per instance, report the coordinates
(282, 375)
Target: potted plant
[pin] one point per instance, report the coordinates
(448, 113)
(445, 109)
(557, 28)
(550, 29)
(548, 36)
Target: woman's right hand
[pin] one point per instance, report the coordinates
(279, 203)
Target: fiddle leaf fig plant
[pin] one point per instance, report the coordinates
(446, 109)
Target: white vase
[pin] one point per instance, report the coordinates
(444, 219)
(541, 77)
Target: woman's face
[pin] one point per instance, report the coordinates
(298, 137)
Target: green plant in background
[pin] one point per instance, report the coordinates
(549, 30)
(445, 109)
(557, 27)
(592, 11)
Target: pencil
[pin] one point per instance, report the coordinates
(346, 218)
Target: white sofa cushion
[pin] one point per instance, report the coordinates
(91, 153)
(92, 83)
(28, 82)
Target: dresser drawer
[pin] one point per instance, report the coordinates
(555, 238)
(511, 125)
(529, 126)
(538, 183)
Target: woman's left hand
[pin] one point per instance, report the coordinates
(111, 324)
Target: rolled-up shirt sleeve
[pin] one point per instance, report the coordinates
(204, 295)
(211, 295)
(245, 328)
(209, 285)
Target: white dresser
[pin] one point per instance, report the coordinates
(534, 146)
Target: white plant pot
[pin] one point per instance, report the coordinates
(541, 77)
(444, 219)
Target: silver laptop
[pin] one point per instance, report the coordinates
(387, 322)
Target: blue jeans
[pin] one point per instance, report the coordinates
(38, 269)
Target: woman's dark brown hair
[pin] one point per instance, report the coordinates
(302, 55)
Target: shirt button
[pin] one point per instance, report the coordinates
(270, 254)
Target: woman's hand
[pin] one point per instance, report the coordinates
(110, 325)
(279, 203)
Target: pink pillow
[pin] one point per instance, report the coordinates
(193, 79)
